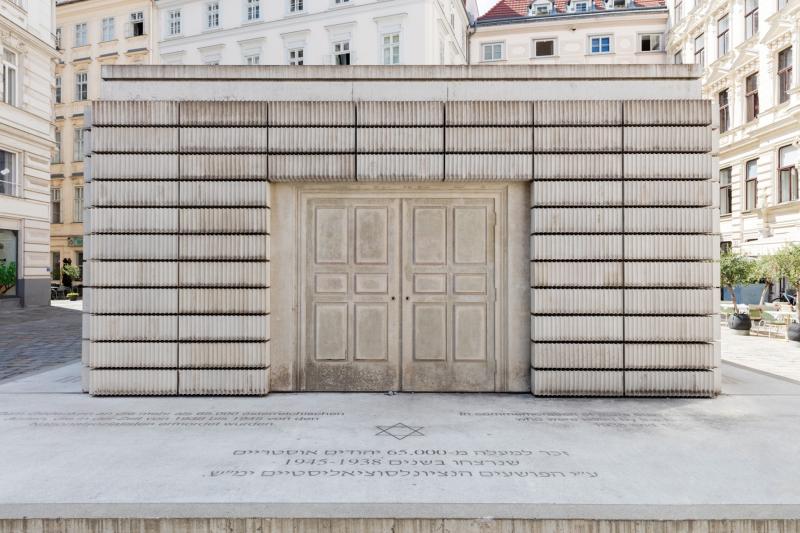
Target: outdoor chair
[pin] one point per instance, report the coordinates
(773, 323)
(725, 310)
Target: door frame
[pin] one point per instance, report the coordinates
(497, 192)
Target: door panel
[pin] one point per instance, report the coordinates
(352, 295)
(448, 295)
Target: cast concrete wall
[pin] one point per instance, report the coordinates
(623, 237)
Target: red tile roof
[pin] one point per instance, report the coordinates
(506, 9)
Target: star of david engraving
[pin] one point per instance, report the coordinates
(400, 431)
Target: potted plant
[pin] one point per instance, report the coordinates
(767, 269)
(736, 269)
(69, 272)
(788, 258)
(72, 296)
(8, 276)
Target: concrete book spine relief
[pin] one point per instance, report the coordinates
(335, 232)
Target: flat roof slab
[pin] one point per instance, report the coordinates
(308, 455)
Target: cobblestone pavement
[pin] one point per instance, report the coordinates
(772, 355)
(34, 339)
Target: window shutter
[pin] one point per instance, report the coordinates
(129, 29)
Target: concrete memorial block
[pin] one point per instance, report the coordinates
(400, 167)
(578, 383)
(622, 238)
(134, 167)
(106, 382)
(577, 356)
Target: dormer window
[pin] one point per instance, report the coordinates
(540, 7)
(615, 4)
(580, 7)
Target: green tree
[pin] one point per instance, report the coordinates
(766, 268)
(8, 276)
(788, 258)
(735, 269)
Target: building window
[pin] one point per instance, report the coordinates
(295, 56)
(544, 48)
(81, 86)
(55, 205)
(540, 8)
(8, 173)
(55, 265)
(724, 111)
(650, 42)
(9, 77)
(788, 157)
(58, 89)
(700, 50)
(77, 205)
(212, 15)
(174, 22)
(678, 57)
(723, 36)
(725, 247)
(136, 24)
(725, 191)
(678, 11)
(784, 74)
(781, 4)
(57, 153)
(253, 9)
(581, 7)
(339, 2)
(391, 49)
(77, 144)
(750, 184)
(341, 52)
(489, 51)
(58, 38)
(600, 44)
(295, 6)
(750, 18)
(252, 59)
(109, 30)
(81, 34)
(751, 96)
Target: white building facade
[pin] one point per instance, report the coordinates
(749, 49)
(576, 32)
(312, 32)
(26, 143)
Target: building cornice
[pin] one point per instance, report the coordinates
(562, 17)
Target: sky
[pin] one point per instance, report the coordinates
(484, 5)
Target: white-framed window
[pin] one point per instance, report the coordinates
(55, 205)
(109, 29)
(651, 42)
(492, 51)
(294, 56)
(136, 24)
(295, 6)
(252, 59)
(340, 2)
(253, 9)
(700, 50)
(8, 173)
(723, 36)
(543, 48)
(174, 22)
(58, 90)
(678, 57)
(77, 204)
(77, 144)
(212, 15)
(57, 152)
(81, 85)
(81, 34)
(59, 34)
(600, 44)
(341, 53)
(581, 7)
(540, 8)
(391, 48)
(10, 79)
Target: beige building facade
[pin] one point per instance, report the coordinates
(26, 143)
(319, 229)
(749, 54)
(90, 34)
(566, 32)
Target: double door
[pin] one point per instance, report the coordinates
(399, 294)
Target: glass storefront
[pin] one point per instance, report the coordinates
(8, 254)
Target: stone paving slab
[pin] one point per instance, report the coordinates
(772, 355)
(405, 455)
(33, 339)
